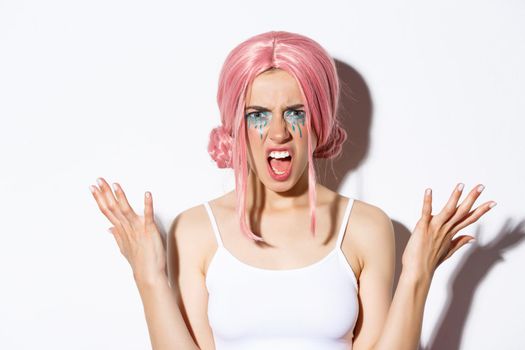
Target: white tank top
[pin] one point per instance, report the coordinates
(306, 308)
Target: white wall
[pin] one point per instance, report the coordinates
(126, 90)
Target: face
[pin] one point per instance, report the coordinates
(276, 120)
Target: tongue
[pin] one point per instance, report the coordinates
(280, 164)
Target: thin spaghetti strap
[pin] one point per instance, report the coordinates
(344, 222)
(213, 224)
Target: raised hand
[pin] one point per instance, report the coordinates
(432, 241)
(137, 236)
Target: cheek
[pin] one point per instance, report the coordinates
(257, 127)
(254, 140)
(253, 146)
(298, 126)
(255, 134)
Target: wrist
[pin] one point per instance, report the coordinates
(416, 277)
(151, 281)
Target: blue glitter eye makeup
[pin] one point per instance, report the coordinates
(258, 120)
(296, 119)
(261, 119)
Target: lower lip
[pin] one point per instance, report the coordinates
(281, 177)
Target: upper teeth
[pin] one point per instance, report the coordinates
(276, 154)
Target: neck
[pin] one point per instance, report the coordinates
(262, 197)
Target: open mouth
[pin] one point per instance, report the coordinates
(280, 167)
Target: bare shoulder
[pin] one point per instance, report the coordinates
(371, 230)
(189, 231)
(192, 231)
(369, 215)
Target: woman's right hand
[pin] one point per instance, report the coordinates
(137, 236)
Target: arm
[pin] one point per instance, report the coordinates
(385, 323)
(165, 308)
(176, 307)
(402, 328)
(373, 235)
(166, 326)
(187, 246)
(430, 244)
(140, 242)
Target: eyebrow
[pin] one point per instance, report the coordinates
(264, 109)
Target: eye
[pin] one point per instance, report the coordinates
(257, 115)
(296, 113)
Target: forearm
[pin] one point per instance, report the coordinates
(402, 329)
(167, 329)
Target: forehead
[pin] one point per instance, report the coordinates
(274, 88)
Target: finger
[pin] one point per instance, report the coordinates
(148, 211)
(457, 243)
(102, 205)
(113, 206)
(107, 193)
(105, 189)
(464, 207)
(426, 212)
(472, 217)
(450, 208)
(123, 203)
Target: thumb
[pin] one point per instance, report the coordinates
(149, 220)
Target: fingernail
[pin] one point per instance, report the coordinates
(427, 192)
(115, 187)
(472, 241)
(460, 186)
(492, 205)
(92, 188)
(480, 188)
(148, 195)
(99, 181)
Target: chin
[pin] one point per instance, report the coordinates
(281, 186)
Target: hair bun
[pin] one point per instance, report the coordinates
(220, 147)
(333, 146)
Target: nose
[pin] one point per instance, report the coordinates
(278, 130)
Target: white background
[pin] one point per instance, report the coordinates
(126, 90)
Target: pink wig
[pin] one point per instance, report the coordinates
(316, 74)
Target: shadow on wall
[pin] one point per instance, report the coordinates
(355, 114)
(355, 111)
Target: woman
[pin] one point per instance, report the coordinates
(282, 262)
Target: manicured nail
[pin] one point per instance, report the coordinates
(492, 204)
(460, 187)
(92, 188)
(427, 192)
(480, 188)
(115, 187)
(99, 181)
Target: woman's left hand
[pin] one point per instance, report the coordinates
(431, 241)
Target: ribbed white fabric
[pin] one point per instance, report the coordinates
(307, 308)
